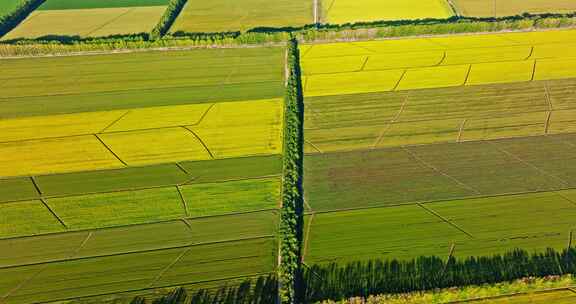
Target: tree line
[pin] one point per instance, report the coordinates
(262, 291)
(291, 219)
(22, 10)
(363, 278)
(172, 11)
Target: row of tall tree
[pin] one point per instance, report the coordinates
(363, 278)
(22, 10)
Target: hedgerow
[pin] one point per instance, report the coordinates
(172, 11)
(23, 9)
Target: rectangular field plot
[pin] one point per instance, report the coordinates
(491, 8)
(86, 4)
(136, 238)
(225, 15)
(88, 22)
(27, 218)
(533, 222)
(48, 86)
(392, 176)
(394, 232)
(133, 271)
(556, 297)
(346, 11)
(441, 115)
(477, 227)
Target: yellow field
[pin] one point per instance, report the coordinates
(491, 8)
(12, 223)
(71, 142)
(407, 64)
(344, 11)
(46, 156)
(88, 22)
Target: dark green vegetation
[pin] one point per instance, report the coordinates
(74, 84)
(292, 200)
(86, 4)
(335, 281)
(8, 6)
(13, 12)
(172, 12)
(424, 173)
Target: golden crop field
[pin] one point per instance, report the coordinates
(112, 139)
(88, 22)
(345, 11)
(407, 64)
(498, 8)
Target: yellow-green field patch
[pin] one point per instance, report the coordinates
(27, 218)
(491, 8)
(500, 72)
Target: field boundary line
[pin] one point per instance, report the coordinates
(252, 275)
(307, 238)
(261, 237)
(543, 172)
(390, 123)
(306, 204)
(467, 75)
(572, 289)
(53, 213)
(430, 166)
(559, 193)
(170, 265)
(444, 55)
(547, 95)
(201, 119)
(84, 242)
(534, 70)
(364, 63)
(22, 284)
(183, 200)
(316, 13)
(110, 150)
(313, 146)
(200, 141)
(530, 54)
(454, 8)
(36, 187)
(399, 80)
(461, 131)
(547, 122)
(116, 18)
(185, 221)
(447, 221)
(114, 122)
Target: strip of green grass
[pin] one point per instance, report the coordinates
(118, 208)
(7, 6)
(85, 4)
(234, 196)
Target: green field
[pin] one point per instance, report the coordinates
(491, 8)
(474, 227)
(229, 15)
(347, 11)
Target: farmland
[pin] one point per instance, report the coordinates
(7, 6)
(226, 15)
(443, 146)
(493, 8)
(90, 18)
(130, 192)
(345, 11)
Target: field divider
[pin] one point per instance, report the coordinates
(163, 271)
(547, 95)
(22, 283)
(364, 64)
(467, 75)
(447, 221)
(201, 119)
(461, 131)
(559, 193)
(435, 169)
(543, 172)
(307, 238)
(53, 213)
(313, 146)
(183, 200)
(533, 70)
(444, 55)
(510, 295)
(68, 259)
(390, 123)
(84, 242)
(114, 122)
(110, 150)
(187, 223)
(530, 54)
(399, 80)
(547, 123)
(36, 187)
(200, 140)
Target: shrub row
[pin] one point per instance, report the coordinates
(292, 202)
(263, 291)
(170, 15)
(334, 281)
(23, 9)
